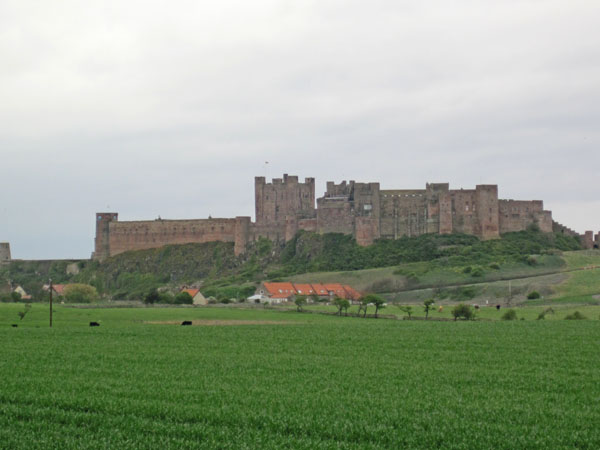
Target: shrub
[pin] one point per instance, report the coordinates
(495, 266)
(80, 293)
(183, 298)
(531, 260)
(165, 297)
(510, 314)
(575, 316)
(478, 272)
(463, 311)
(152, 297)
(467, 269)
(533, 295)
(542, 315)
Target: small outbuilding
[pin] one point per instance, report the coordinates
(197, 297)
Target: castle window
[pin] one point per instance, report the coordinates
(99, 217)
(466, 207)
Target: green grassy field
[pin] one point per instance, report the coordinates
(315, 381)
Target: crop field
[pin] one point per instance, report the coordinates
(289, 380)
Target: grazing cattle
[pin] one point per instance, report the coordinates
(476, 306)
(186, 322)
(497, 306)
(440, 309)
(94, 324)
(15, 325)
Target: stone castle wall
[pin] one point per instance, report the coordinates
(363, 210)
(5, 252)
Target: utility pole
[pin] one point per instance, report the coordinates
(50, 302)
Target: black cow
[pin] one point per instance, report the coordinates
(186, 322)
(497, 306)
(94, 324)
(14, 325)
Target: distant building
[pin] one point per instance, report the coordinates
(278, 292)
(197, 297)
(22, 293)
(58, 290)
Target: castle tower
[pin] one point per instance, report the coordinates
(486, 197)
(4, 252)
(284, 197)
(102, 241)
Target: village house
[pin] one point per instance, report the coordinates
(197, 297)
(278, 292)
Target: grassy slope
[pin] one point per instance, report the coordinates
(328, 383)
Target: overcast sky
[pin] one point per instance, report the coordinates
(171, 108)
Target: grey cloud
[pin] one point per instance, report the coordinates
(172, 108)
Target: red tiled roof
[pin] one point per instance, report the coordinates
(280, 290)
(337, 289)
(304, 289)
(59, 288)
(192, 292)
(320, 289)
(352, 293)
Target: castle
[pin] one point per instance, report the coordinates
(363, 210)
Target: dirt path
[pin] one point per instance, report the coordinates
(215, 322)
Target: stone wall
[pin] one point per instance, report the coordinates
(279, 200)
(403, 213)
(517, 215)
(4, 252)
(139, 235)
(587, 240)
(101, 247)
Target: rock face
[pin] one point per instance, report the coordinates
(365, 211)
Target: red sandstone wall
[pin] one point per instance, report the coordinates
(464, 211)
(125, 236)
(403, 213)
(242, 234)
(517, 215)
(486, 196)
(101, 244)
(366, 230)
(588, 240)
(334, 216)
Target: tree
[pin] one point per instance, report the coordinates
(376, 300)
(22, 314)
(80, 293)
(407, 309)
(362, 306)
(428, 305)
(152, 297)
(341, 304)
(184, 298)
(15, 296)
(300, 301)
(464, 311)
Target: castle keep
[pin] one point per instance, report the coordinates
(363, 210)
